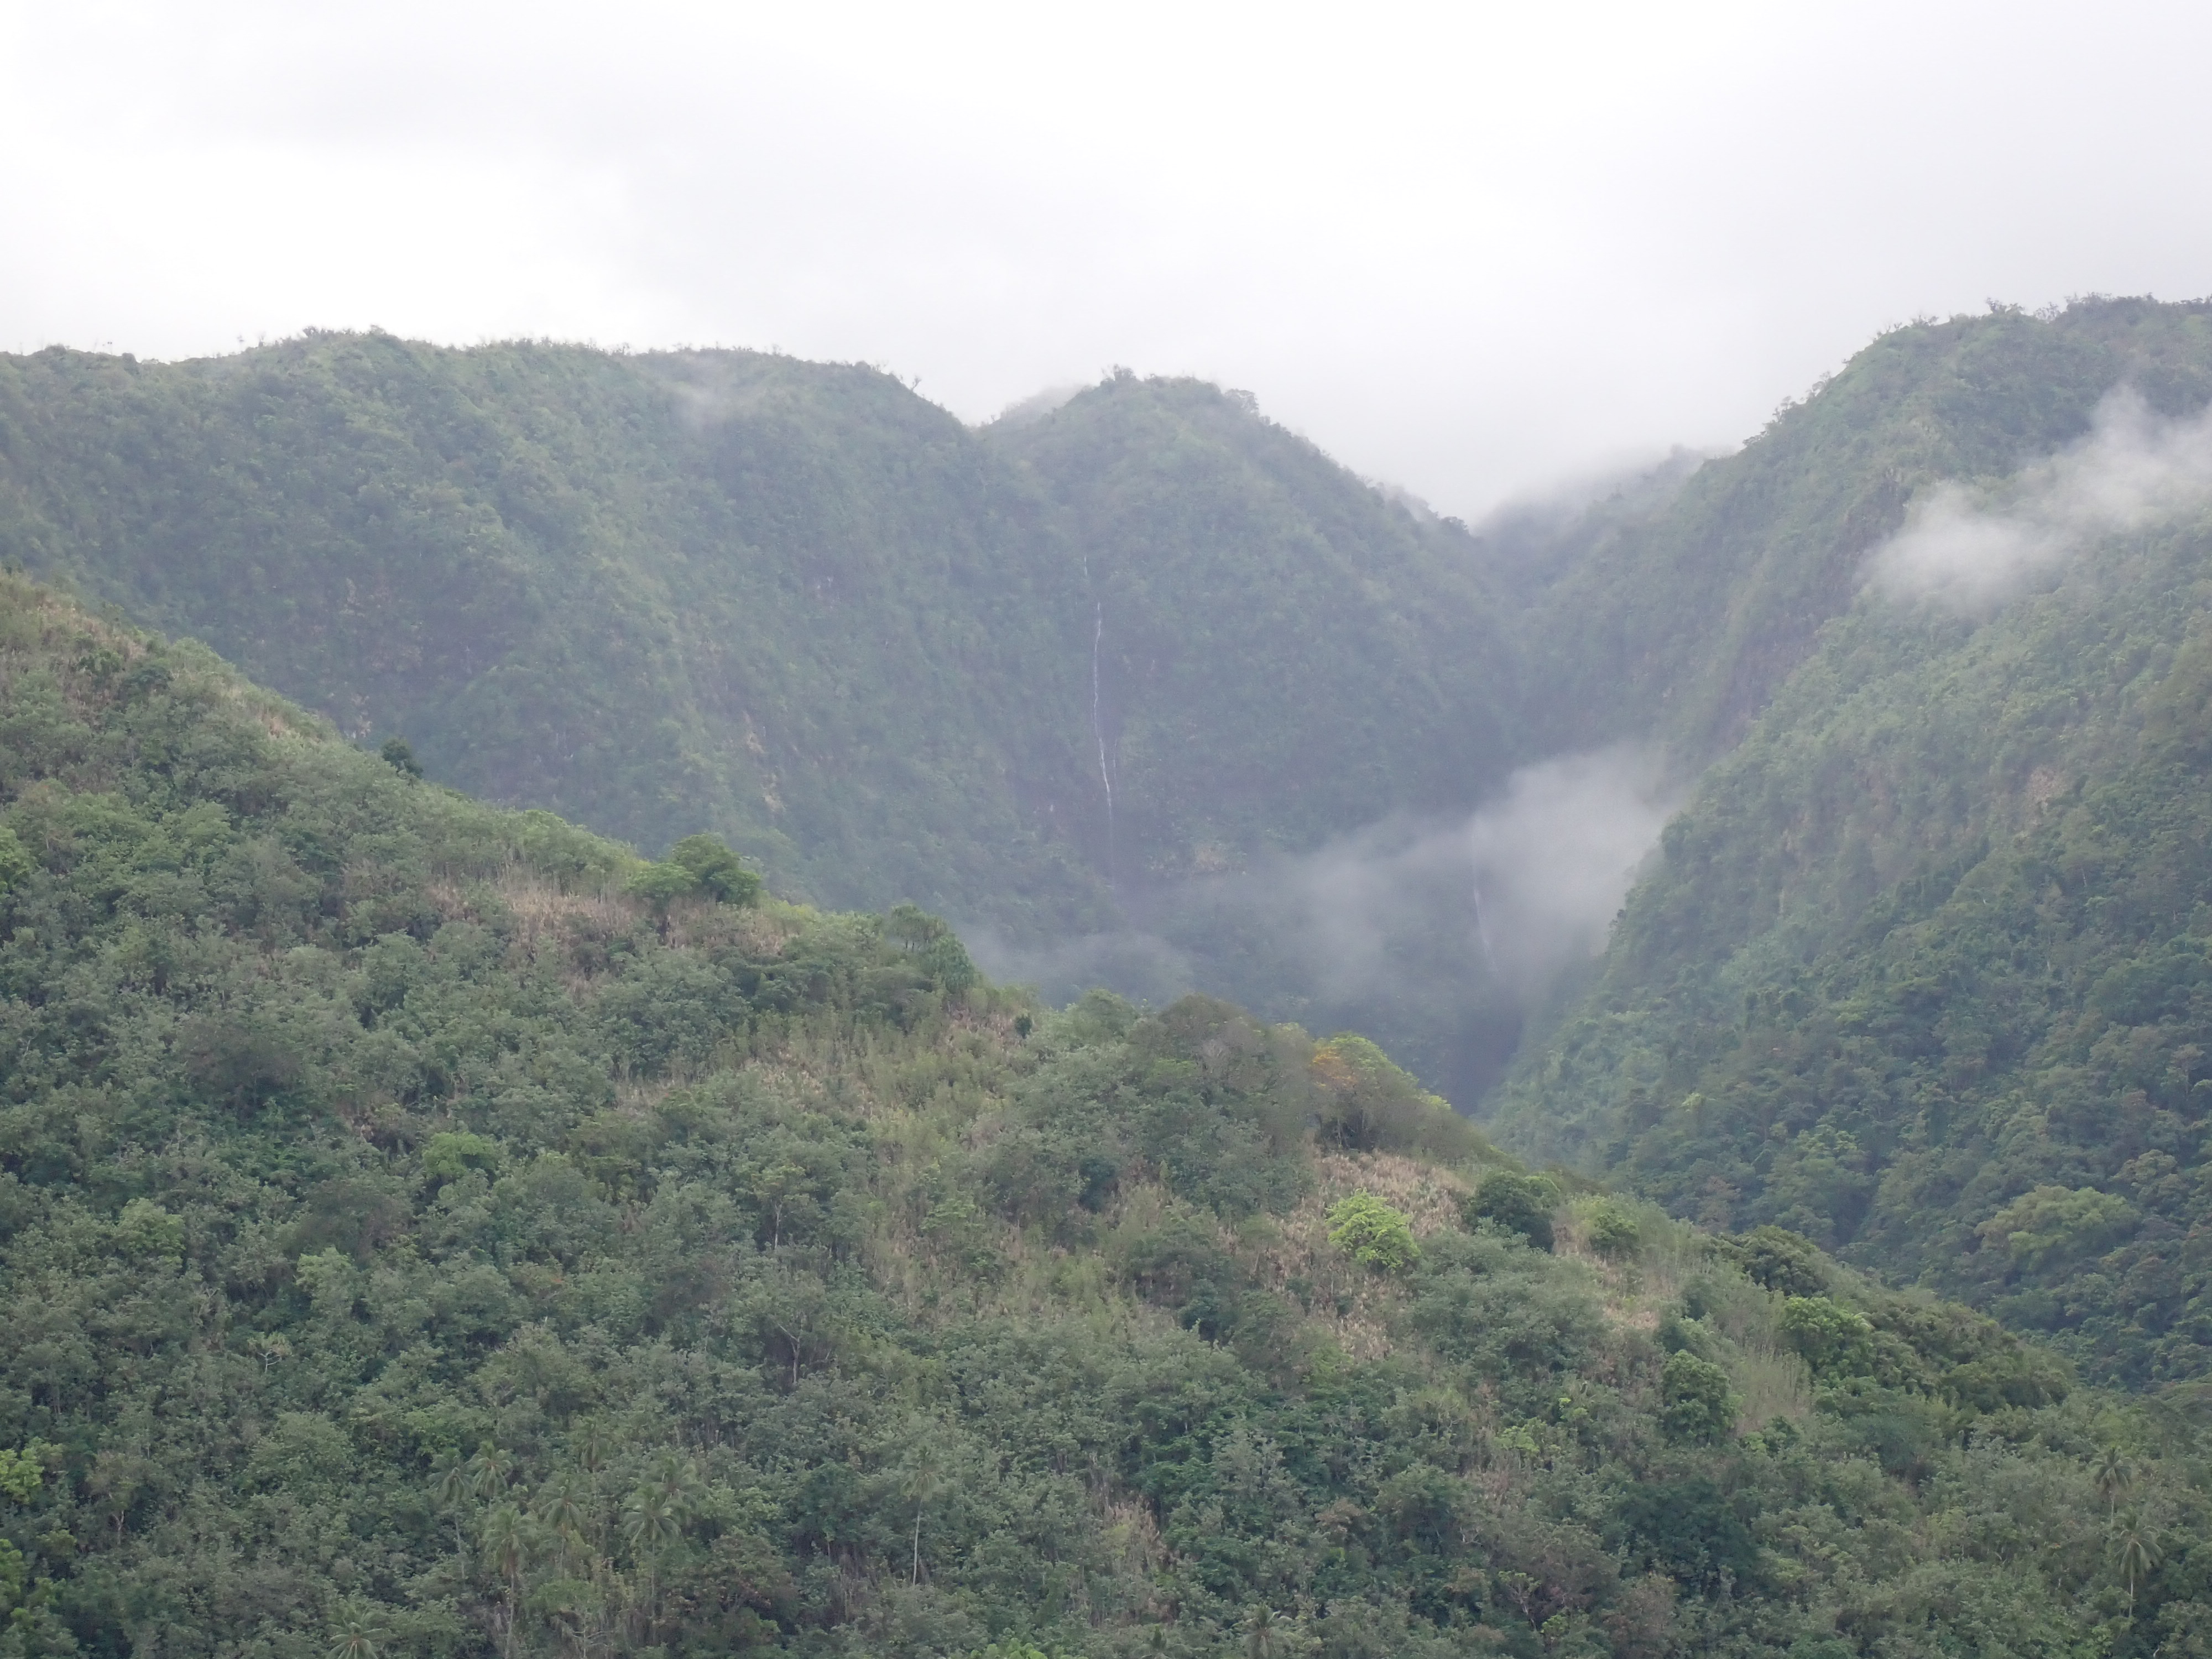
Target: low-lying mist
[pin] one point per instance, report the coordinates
(1439, 939)
(1969, 549)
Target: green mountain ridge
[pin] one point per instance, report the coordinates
(1914, 972)
(888, 657)
(885, 656)
(637, 591)
(427, 1228)
(1675, 623)
(792, 599)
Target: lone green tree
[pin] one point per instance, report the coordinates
(1512, 1203)
(1372, 1234)
(400, 755)
(716, 871)
(2137, 1553)
(1698, 1404)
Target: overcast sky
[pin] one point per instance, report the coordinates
(1473, 248)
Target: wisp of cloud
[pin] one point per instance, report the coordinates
(1969, 550)
(1555, 856)
(1485, 909)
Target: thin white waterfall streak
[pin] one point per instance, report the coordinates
(1482, 930)
(1098, 725)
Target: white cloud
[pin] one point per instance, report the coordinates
(1498, 902)
(1968, 548)
(1555, 856)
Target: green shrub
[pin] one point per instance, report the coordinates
(450, 1152)
(1367, 1102)
(661, 885)
(1511, 1203)
(1783, 1261)
(932, 945)
(716, 871)
(1834, 1340)
(1372, 1233)
(1697, 1405)
(1610, 1230)
(145, 1228)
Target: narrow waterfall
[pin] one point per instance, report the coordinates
(1482, 929)
(1098, 727)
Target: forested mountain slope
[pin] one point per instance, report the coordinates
(888, 657)
(1920, 972)
(429, 1229)
(1675, 620)
(790, 601)
(1285, 654)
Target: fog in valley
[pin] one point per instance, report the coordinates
(1494, 259)
(1466, 926)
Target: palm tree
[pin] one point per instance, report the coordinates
(489, 1470)
(353, 1638)
(2114, 1475)
(675, 1483)
(2135, 1552)
(453, 1487)
(650, 1523)
(1260, 1634)
(506, 1548)
(451, 1492)
(592, 1448)
(921, 1483)
(559, 1511)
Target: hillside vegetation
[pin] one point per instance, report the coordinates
(1918, 971)
(1086, 676)
(1285, 654)
(1672, 612)
(885, 656)
(426, 1228)
(789, 602)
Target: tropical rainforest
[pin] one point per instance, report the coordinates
(505, 1150)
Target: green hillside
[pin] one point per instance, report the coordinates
(1284, 657)
(426, 1228)
(790, 601)
(1916, 973)
(1675, 619)
(1285, 654)
(880, 653)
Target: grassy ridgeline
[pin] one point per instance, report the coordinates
(427, 1229)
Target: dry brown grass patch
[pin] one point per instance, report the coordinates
(1295, 1261)
(539, 906)
(1428, 1195)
